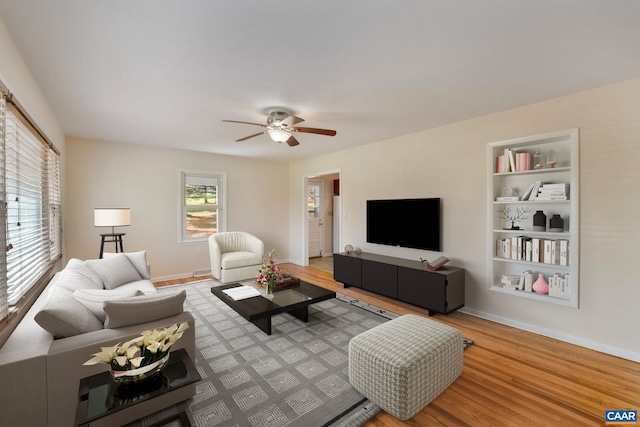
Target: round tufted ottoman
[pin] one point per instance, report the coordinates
(405, 363)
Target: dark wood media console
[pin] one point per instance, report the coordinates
(440, 291)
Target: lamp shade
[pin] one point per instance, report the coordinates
(279, 135)
(111, 217)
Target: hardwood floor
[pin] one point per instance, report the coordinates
(510, 377)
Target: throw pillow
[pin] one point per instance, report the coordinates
(138, 259)
(115, 270)
(143, 309)
(94, 299)
(77, 275)
(62, 316)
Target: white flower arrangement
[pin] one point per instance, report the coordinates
(149, 347)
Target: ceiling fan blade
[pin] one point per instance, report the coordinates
(246, 123)
(292, 120)
(292, 141)
(327, 132)
(251, 136)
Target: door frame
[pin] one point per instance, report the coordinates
(305, 222)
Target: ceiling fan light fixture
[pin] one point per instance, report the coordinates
(279, 135)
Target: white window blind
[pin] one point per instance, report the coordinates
(31, 215)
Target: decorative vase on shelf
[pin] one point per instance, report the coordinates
(539, 221)
(556, 223)
(538, 159)
(541, 286)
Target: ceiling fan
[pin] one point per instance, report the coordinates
(280, 127)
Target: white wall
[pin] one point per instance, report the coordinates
(449, 162)
(17, 77)
(145, 179)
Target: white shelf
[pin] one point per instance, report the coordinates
(565, 144)
(533, 264)
(532, 296)
(534, 171)
(533, 202)
(557, 234)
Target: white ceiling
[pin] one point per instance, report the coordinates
(166, 72)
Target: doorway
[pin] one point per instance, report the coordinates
(315, 207)
(321, 222)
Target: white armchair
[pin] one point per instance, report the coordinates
(235, 256)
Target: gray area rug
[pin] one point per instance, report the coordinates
(298, 376)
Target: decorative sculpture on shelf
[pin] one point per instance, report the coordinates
(513, 214)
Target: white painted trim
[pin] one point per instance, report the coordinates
(571, 339)
(222, 212)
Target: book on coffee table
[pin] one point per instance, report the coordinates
(241, 292)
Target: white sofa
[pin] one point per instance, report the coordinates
(235, 256)
(41, 362)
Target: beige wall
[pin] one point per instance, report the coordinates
(145, 179)
(449, 162)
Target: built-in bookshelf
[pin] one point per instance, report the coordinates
(520, 184)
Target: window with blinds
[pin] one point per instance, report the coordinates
(30, 229)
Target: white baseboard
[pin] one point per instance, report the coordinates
(571, 339)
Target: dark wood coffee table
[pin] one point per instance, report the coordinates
(293, 299)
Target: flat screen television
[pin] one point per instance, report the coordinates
(409, 223)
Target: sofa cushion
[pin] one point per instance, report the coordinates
(94, 299)
(78, 275)
(240, 259)
(115, 270)
(62, 316)
(143, 309)
(145, 286)
(138, 259)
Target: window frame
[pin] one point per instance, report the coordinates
(183, 174)
(30, 180)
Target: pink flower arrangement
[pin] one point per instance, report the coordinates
(270, 273)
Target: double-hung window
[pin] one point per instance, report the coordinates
(30, 220)
(202, 204)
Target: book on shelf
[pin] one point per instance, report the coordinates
(527, 193)
(564, 252)
(500, 164)
(559, 191)
(507, 199)
(523, 162)
(534, 190)
(437, 263)
(560, 186)
(546, 257)
(506, 249)
(542, 197)
(512, 160)
(559, 286)
(528, 281)
(555, 252)
(535, 254)
(510, 279)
